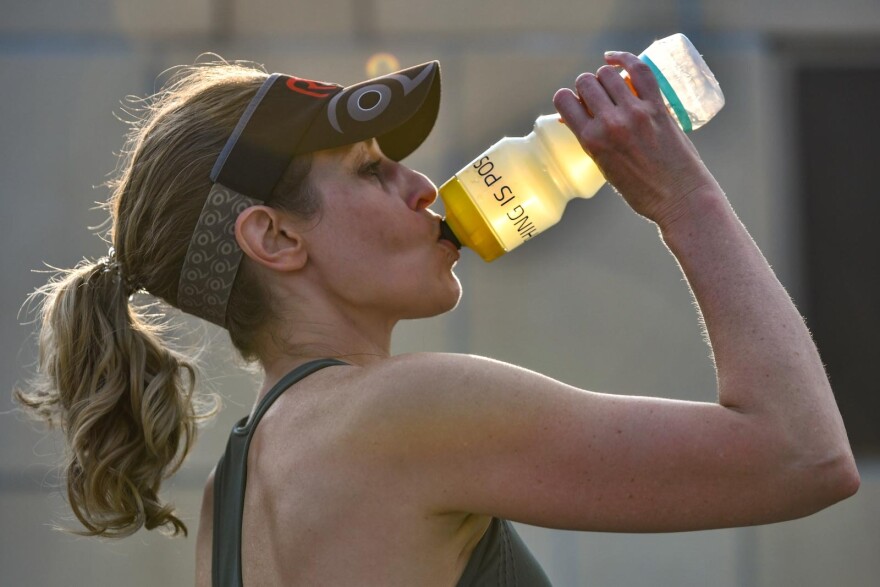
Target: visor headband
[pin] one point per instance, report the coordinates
(213, 256)
(289, 116)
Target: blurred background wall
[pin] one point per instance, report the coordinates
(597, 302)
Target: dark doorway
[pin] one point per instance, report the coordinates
(838, 123)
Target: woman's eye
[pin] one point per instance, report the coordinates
(371, 169)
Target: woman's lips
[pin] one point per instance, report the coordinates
(450, 247)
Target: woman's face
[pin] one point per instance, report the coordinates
(376, 245)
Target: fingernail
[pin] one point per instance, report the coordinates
(609, 53)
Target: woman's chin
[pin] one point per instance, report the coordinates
(454, 295)
(439, 303)
(453, 304)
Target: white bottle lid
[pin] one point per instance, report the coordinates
(688, 85)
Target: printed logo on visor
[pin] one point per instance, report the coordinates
(363, 103)
(311, 88)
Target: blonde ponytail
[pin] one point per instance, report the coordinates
(122, 399)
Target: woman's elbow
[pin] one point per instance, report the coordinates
(847, 478)
(831, 480)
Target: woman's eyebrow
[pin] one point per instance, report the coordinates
(360, 152)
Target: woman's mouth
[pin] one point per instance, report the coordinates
(446, 238)
(447, 234)
(453, 250)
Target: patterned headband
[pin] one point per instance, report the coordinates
(290, 116)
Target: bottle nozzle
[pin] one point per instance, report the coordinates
(446, 233)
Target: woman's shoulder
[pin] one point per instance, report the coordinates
(433, 371)
(434, 398)
(427, 383)
(429, 378)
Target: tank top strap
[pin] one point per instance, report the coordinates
(285, 382)
(230, 481)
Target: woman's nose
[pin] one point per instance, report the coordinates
(422, 191)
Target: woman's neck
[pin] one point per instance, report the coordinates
(356, 338)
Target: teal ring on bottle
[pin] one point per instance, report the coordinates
(670, 94)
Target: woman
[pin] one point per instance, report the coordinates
(278, 209)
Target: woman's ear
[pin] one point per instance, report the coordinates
(271, 238)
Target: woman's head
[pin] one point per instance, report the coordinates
(231, 134)
(289, 117)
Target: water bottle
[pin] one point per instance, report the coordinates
(520, 186)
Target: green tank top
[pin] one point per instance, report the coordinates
(500, 559)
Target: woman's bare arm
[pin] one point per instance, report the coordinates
(767, 364)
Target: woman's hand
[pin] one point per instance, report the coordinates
(633, 139)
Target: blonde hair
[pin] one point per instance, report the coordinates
(124, 400)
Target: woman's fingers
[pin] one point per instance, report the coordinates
(597, 101)
(615, 86)
(643, 80)
(593, 94)
(597, 95)
(572, 110)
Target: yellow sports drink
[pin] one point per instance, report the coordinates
(520, 186)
